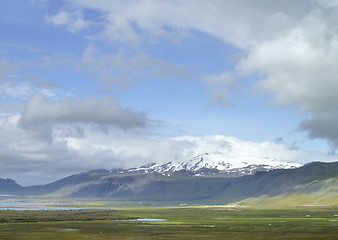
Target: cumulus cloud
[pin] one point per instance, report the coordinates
(105, 111)
(23, 150)
(299, 69)
(322, 125)
(74, 21)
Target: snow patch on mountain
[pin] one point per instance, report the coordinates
(216, 162)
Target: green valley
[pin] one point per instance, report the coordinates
(190, 222)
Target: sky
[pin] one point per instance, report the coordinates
(90, 84)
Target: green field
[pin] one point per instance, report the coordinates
(205, 222)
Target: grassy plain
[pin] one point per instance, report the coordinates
(185, 222)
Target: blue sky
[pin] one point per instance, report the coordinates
(105, 84)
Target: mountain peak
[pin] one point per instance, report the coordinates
(207, 163)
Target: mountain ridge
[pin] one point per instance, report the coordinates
(182, 186)
(215, 163)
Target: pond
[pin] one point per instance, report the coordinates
(145, 220)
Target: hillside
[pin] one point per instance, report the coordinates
(318, 192)
(277, 181)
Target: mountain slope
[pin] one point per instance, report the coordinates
(182, 186)
(318, 192)
(155, 187)
(277, 181)
(68, 184)
(9, 186)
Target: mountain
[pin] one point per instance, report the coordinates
(277, 182)
(182, 186)
(215, 164)
(68, 185)
(9, 186)
(315, 179)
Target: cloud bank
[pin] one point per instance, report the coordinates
(105, 111)
(36, 157)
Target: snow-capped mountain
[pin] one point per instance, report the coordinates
(215, 163)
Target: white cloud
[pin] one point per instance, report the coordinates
(300, 69)
(242, 23)
(72, 148)
(74, 21)
(31, 155)
(106, 111)
(297, 70)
